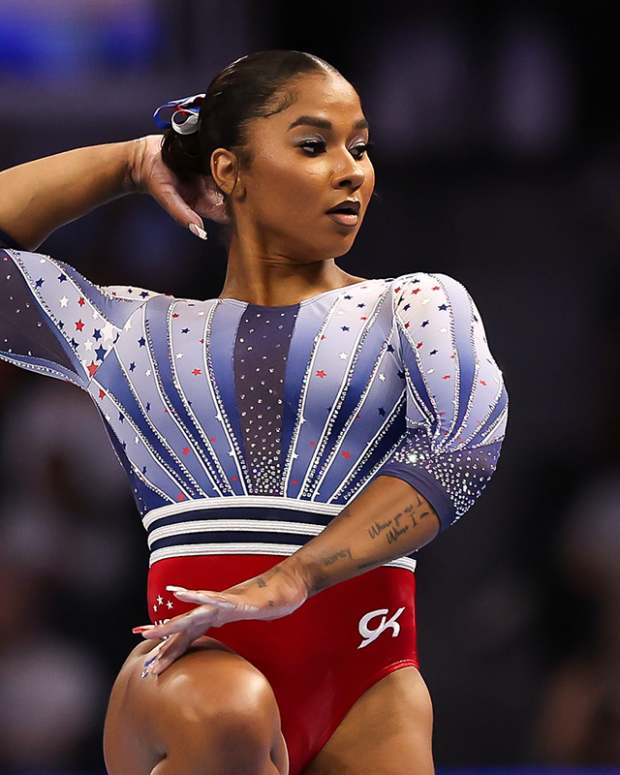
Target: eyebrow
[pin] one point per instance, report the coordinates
(323, 123)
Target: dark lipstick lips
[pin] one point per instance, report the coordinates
(353, 207)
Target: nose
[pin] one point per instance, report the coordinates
(349, 174)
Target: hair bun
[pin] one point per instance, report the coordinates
(181, 145)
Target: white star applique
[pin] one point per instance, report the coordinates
(64, 301)
(107, 331)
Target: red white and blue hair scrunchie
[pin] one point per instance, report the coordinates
(181, 115)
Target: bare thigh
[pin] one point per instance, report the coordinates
(388, 731)
(211, 711)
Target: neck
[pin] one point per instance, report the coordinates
(274, 281)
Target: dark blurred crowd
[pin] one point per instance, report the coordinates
(498, 163)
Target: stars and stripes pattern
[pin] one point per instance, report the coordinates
(246, 429)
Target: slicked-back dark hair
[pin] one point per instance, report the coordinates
(252, 86)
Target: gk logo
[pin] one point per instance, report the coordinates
(371, 635)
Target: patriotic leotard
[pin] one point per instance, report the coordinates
(245, 429)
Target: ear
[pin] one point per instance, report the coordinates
(225, 171)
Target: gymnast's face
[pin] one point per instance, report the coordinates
(300, 169)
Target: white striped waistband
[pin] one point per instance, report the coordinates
(250, 505)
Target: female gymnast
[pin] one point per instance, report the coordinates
(290, 444)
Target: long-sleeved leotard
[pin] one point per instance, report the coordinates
(218, 409)
(245, 429)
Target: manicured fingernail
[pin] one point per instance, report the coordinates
(172, 588)
(144, 628)
(197, 231)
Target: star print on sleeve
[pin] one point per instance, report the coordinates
(55, 321)
(457, 404)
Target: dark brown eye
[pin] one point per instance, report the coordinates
(315, 144)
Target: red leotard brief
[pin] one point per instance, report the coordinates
(321, 658)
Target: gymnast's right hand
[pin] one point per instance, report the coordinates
(186, 202)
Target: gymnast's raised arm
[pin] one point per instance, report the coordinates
(37, 197)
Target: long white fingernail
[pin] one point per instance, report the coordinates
(172, 588)
(197, 231)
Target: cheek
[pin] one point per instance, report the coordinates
(286, 188)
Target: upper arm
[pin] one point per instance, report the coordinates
(451, 372)
(457, 404)
(54, 320)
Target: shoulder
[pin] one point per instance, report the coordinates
(51, 268)
(418, 293)
(424, 281)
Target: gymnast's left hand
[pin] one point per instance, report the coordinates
(270, 595)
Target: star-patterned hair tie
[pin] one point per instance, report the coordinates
(181, 115)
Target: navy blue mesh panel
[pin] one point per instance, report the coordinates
(261, 352)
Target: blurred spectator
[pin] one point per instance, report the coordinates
(580, 718)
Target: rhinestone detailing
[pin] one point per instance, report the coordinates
(261, 352)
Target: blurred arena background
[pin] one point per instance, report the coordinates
(498, 162)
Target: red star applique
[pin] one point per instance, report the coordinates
(81, 301)
(320, 373)
(195, 372)
(345, 454)
(92, 369)
(101, 393)
(186, 450)
(181, 497)
(79, 325)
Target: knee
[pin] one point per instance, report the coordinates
(224, 704)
